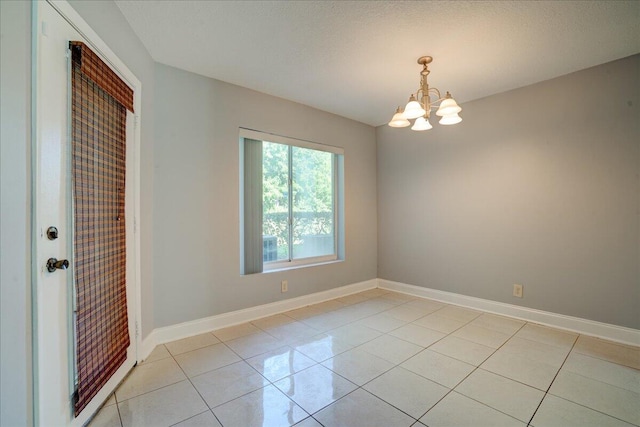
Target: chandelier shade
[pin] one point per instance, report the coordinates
(451, 119)
(448, 106)
(421, 124)
(413, 109)
(420, 104)
(398, 120)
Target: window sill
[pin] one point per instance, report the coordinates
(295, 267)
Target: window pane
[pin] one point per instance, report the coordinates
(275, 201)
(313, 218)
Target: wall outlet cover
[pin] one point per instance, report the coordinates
(517, 291)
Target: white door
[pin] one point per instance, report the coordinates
(54, 340)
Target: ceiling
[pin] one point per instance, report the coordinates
(357, 59)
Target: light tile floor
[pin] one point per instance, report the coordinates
(380, 358)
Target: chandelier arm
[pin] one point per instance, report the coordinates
(435, 90)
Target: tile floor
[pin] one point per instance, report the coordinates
(380, 358)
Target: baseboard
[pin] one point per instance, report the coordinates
(207, 324)
(574, 324)
(147, 344)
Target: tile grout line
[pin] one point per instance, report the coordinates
(341, 376)
(552, 381)
(423, 349)
(426, 348)
(391, 404)
(604, 359)
(593, 379)
(195, 388)
(428, 379)
(345, 378)
(171, 356)
(598, 381)
(117, 409)
(192, 416)
(470, 373)
(270, 383)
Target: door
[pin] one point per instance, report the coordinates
(53, 284)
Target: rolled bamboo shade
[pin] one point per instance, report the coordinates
(99, 103)
(101, 74)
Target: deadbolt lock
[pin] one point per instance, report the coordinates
(52, 233)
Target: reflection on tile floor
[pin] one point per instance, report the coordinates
(380, 358)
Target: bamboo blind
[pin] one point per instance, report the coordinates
(99, 103)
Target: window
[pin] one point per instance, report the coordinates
(290, 203)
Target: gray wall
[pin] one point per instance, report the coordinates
(538, 186)
(196, 199)
(15, 178)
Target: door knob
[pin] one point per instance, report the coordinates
(53, 264)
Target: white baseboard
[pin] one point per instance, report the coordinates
(207, 324)
(147, 344)
(574, 324)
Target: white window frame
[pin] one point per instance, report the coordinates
(270, 266)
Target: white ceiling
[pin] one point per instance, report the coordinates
(357, 59)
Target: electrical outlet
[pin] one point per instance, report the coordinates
(517, 291)
(284, 286)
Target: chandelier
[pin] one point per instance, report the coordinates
(420, 105)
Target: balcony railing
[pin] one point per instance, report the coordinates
(310, 230)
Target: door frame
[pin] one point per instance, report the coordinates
(132, 198)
